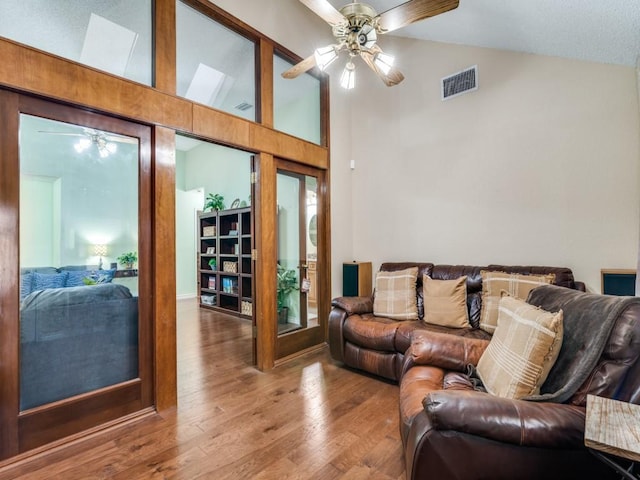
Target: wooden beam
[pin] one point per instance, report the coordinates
(164, 252)
(266, 245)
(266, 83)
(165, 46)
(30, 70)
(9, 270)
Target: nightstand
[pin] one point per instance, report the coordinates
(612, 428)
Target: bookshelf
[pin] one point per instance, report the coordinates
(225, 237)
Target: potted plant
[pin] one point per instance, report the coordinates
(128, 259)
(214, 202)
(213, 263)
(286, 283)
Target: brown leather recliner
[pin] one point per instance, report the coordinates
(451, 431)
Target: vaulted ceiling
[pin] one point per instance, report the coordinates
(604, 31)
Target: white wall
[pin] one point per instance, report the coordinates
(217, 169)
(539, 166)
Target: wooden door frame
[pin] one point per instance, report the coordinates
(299, 341)
(25, 430)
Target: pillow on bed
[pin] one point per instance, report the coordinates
(44, 281)
(78, 278)
(26, 284)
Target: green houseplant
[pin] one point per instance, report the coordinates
(213, 263)
(128, 259)
(286, 283)
(214, 202)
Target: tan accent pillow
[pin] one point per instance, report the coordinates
(395, 294)
(517, 285)
(522, 351)
(445, 302)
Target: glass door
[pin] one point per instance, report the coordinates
(300, 325)
(83, 330)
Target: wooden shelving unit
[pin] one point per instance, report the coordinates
(226, 237)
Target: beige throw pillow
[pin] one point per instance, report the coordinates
(515, 284)
(395, 294)
(522, 351)
(445, 302)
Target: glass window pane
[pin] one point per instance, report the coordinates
(297, 275)
(78, 233)
(215, 65)
(114, 36)
(296, 103)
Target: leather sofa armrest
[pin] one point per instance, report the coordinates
(354, 305)
(449, 352)
(580, 286)
(519, 422)
(342, 308)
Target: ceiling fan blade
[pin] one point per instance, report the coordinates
(121, 139)
(298, 69)
(326, 11)
(63, 133)
(412, 11)
(391, 78)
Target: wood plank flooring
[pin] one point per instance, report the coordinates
(306, 419)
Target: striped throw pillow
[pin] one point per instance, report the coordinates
(395, 294)
(522, 351)
(493, 283)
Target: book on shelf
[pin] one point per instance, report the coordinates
(212, 283)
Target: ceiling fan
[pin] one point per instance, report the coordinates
(104, 142)
(356, 27)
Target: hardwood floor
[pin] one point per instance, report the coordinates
(306, 419)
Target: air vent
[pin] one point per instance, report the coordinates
(243, 106)
(459, 83)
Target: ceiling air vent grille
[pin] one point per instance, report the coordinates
(459, 83)
(243, 106)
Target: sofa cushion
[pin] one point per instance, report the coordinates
(44, 281)
(522, 350)
(395, 294)
(369, 331)
(407, 330)
(493, 283)
(445, 302)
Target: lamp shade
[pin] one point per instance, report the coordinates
(383, 62)
(348, 78)
(325, 56)
(100, 250)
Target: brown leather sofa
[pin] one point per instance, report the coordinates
(377, 345)
(452, 431)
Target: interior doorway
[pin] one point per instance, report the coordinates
(215, 235)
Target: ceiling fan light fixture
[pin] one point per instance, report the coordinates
(325, 56)
(348, 78)
(384, 62)
(82, 144)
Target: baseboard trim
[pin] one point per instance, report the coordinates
(186, 296)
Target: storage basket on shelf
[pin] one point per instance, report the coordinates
(230, 267)
(209, 231)
(247, 308)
